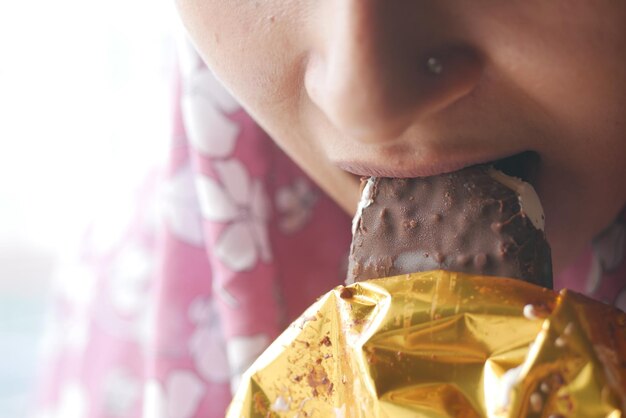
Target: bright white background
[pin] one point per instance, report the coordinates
(84, 108)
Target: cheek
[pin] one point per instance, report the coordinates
(570, 66)
(252, 47)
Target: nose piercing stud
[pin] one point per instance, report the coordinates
(434, 65)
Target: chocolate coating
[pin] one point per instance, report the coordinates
(463, 221)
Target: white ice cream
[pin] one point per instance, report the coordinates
(366, 200)
(528, 200)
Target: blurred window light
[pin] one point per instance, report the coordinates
(84, 111)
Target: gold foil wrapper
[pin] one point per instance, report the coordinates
(443, 344)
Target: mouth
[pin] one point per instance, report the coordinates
(524, 166)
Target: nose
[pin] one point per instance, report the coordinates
(375, 70)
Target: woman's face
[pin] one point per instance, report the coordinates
(344, 87)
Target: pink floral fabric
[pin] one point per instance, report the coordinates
(600, 272)
(165, 309)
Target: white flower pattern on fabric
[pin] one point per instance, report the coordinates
(179, 398)
(153, 400)
(607, 255)
(609, 246)
(295, 202)
(242, 352)
(243, 204)
(206, 344)
(129, 278)
(184, 391)
(121, 391)
(199, 78)
(180, 208)
(73, 401)
(205, 105)
(204, 82)
(188, 58)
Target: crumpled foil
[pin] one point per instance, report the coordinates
(443, 344)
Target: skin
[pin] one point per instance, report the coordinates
(343, 87)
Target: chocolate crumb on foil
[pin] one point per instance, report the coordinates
(471, 221)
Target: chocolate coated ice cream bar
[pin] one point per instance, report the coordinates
(477, 220)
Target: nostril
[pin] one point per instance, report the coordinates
(360, 101)
(447, 75)
(372, 99)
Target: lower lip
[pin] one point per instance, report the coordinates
(371, 170)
